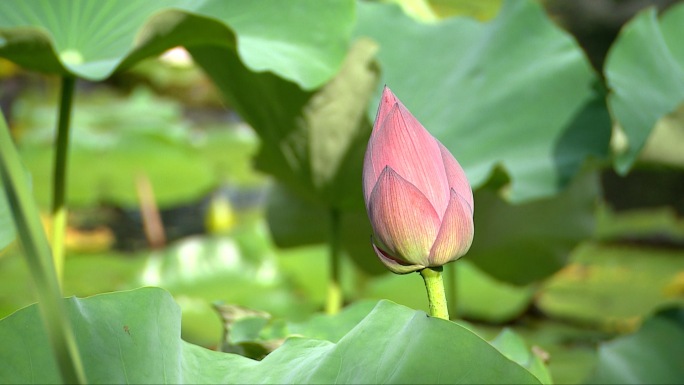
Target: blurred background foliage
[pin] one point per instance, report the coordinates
(568, 118)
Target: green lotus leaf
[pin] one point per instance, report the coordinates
(134, 337)
(304, 42)
(645, 72)
(516, 92)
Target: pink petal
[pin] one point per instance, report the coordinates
(370, 174)
(402, 218)
(403, 144)
(372, 170)
(456, 177)
(394, 265)
(387, 101)
(456, 233)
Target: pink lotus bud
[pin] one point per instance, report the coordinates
(418, 198)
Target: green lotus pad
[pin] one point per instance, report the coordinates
(305, 41)
(134, 337)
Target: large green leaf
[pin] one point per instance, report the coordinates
(645, 72)
(304, 42)
(133, 337)
(652, 355)
(516, 92)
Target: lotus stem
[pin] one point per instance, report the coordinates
(59, 176)
(334, 299)
(452, 288)
(435, 292)
(36, 251)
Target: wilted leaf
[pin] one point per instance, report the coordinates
(614, 286)
(478, 9)
(337, 127)
(665, 142)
